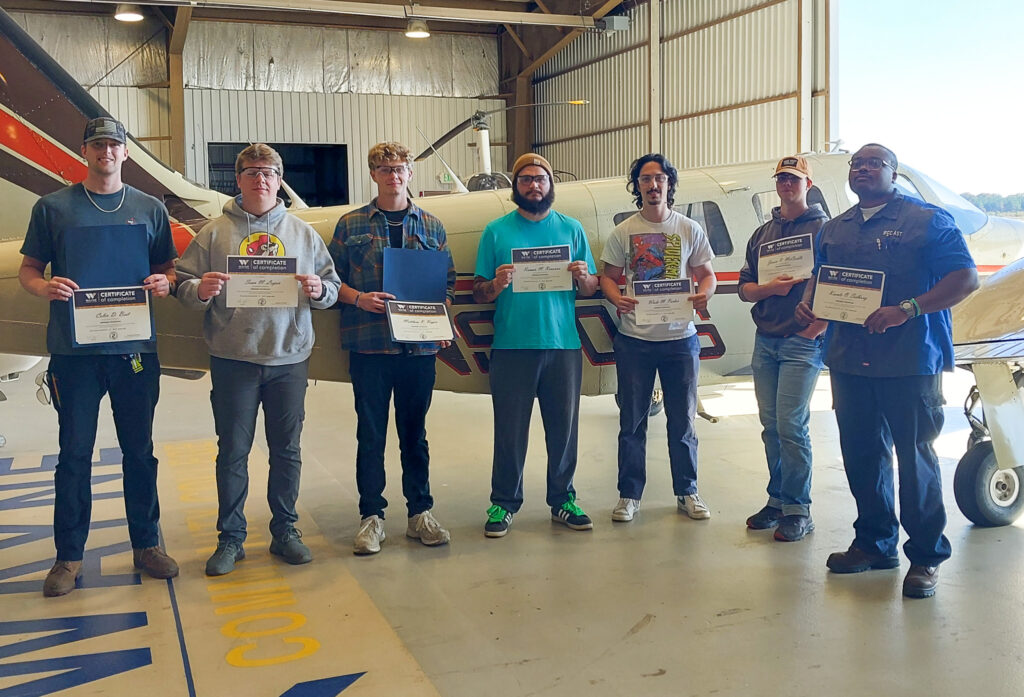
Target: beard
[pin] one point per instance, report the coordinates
(531, 206)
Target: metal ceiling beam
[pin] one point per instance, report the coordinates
(404, 11)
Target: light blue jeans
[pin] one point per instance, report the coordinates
(785, 372)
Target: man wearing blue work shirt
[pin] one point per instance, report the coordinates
(886, 373)
(536, 348)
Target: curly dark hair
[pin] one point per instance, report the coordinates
(632, 186)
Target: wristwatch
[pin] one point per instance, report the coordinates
(910, 308)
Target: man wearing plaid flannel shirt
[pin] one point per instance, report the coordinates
(377, 365)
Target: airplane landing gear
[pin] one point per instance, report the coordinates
(987, 495)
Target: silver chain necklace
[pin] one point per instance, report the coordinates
(124, 190)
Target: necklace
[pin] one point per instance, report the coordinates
(398, 224)
(124, 190)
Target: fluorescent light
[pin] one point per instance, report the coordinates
(417, 29)
(128, 13)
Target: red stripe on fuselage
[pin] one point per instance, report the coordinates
(33, 147)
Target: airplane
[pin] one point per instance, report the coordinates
(43, 112)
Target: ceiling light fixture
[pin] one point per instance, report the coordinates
(128, 13)
(417, 29)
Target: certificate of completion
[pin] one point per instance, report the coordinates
(847, 295)
(105, 315)
(791, 256)
(418, 322)
(662, 301)
(262, 282)
(540, 269)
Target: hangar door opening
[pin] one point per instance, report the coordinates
(317, 173)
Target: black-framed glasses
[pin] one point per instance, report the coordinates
(256, 172)
(386, 171)
(869, 163)
(526, 179)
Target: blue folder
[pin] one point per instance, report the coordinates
(416, 275)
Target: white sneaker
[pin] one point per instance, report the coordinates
(370, 535)
(693, 506)
(625, 509)
(425, 528)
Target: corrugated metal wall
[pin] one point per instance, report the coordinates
(357, 120)
(728, 86)
(145, 112)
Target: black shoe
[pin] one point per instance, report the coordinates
(572, 515)
(921, 581)
(855, 560)
(290, 547)
(794, 527)
(498, 520)
(767, 517)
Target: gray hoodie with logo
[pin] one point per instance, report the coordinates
(267, 336)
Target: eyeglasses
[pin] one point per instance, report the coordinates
(526, 179)
(385, 171)
(784, 178)
(648, 178)
(256, 172)
(869, 163)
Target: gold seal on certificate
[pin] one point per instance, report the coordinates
(262, 282)
(847, 295)
(662, 301)
(105, 315)
(789, 256)
(412, 322)
(541, 269)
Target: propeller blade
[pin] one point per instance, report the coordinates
(445, 138)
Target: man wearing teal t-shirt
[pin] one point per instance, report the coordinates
(536, 348)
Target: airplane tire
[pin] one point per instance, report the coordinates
(987, 495)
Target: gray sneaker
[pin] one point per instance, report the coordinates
(425, 528)
(289, 547)
(222, 561)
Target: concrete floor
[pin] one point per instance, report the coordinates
(660, 606)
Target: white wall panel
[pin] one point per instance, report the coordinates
(355, 120)
(760, 132)
(594, 45)
(682, 15)
(144, 112)
(594, 157)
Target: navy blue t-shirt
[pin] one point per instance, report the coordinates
(54, 215)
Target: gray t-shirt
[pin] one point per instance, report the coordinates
(647, 251)
(69, 211)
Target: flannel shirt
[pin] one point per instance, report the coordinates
(358, 252)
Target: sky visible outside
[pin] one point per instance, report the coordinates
(941, 82)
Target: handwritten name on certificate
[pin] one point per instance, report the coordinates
(262, 282)
(104, 315)
(847, 295)
(791, 256)
(662, 301)
(418, 322)
(540, 269)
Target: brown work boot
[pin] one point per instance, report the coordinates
(61, 579)
(921, 581)
(155, 562)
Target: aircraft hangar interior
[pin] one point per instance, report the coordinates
(671, 602)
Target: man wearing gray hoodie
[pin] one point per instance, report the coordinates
(258, 355)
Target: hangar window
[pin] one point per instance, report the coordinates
(317, 173)
(766, 200)
(709, 216)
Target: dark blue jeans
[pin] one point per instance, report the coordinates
(77, 384)
(677, 363)
(239, 387)
(875, 414)
(375, 377)
(517, 377)
(786, 370)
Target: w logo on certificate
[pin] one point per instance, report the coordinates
(847, 295)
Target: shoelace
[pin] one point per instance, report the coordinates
(428, 522)
(496, 514)
(571, 507)
(370, 522)
(697, 501)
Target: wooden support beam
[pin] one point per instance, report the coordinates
(518, 42)
(176, 76)
(534, 65)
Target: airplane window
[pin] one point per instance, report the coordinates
(709, 216)
(907, 187)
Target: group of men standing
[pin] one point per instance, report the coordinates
(886, 373)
